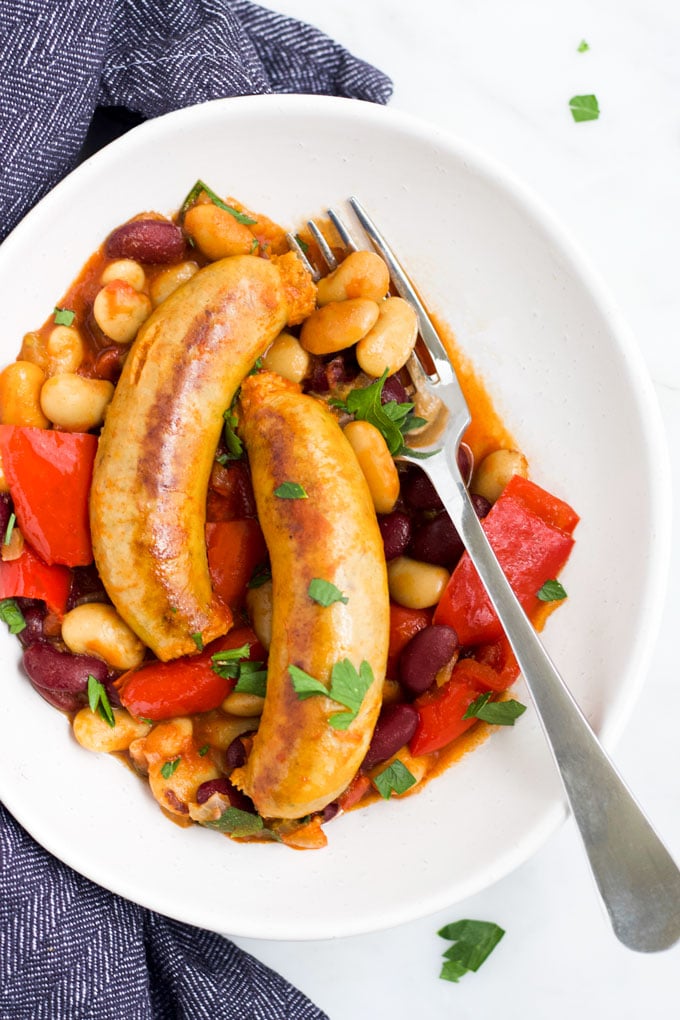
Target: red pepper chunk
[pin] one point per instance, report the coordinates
(161, 690)
(404, 624)
(441, 710)
(49, 475)
(235, 549)
(28, 577)
(530, 532)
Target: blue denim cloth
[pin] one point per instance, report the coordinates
(70, 950)
(61, 59)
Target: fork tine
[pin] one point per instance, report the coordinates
(324, 247)
(294, 245)
(342, 230)
(405, 288)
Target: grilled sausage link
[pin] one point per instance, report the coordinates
(147, 504)
(299, 762)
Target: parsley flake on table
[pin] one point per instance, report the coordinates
(347, 687)
(473, 941)
(64, 316)
(498, 713)
(551, 591)
(290, 490)
(12, 616)
(98, 700)
(396, 778)
(582, 46)
(325, 592)
(584, 108)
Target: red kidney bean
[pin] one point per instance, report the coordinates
(86, 586)
(437, 541)
(62, 700)
(236, 755)
(62, 672)
(481, 505)
(330, 811)
(5, 512)
(154, 241)
(418, 491)
(424, 655)
(34, 629)
(395, 727)
(327, 375)
(393, 390)
(109, 364)
(465, 462)
(227, 789)
(395, 529)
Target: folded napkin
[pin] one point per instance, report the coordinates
(61, 59)
(69, 950)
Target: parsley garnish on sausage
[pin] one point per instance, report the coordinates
(325, 592)
(347, 687)
(290, 490)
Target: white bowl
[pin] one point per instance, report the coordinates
(570, 384)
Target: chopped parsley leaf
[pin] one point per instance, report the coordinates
(498, 713)
(232, 441)
(347, 687)
(261, 575)
(199, 187)
(290, 490)
(391, 419)
(99, 701)
(170, 767)
(10, 528)
(551, 591)
(473, 941)
(584, 108)
(325, 592)
(12, 616)
(396, 778)
(64, 316)
(237, 822)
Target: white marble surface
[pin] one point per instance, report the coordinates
(501, 75)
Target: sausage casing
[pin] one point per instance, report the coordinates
(147, 504)
(299, 762)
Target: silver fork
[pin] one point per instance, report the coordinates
(637, 878)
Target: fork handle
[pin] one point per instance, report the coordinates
(637, 878)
